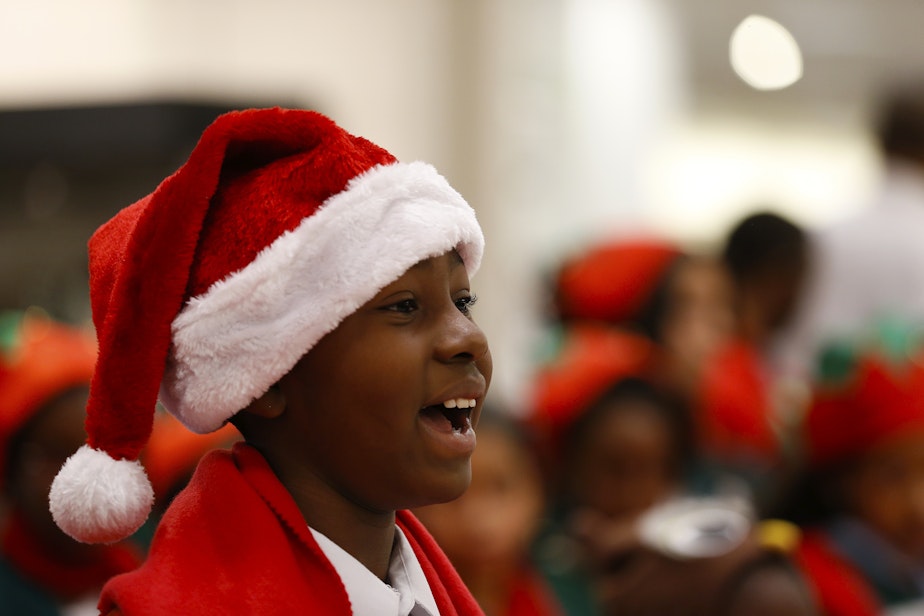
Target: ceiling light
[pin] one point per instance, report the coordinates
(764, 54)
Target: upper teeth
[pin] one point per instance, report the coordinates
(462, 403)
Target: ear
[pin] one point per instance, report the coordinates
(270, 405)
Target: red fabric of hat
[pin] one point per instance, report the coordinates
(210, 289)
(45, 359)
(880, 401)
(613, 281)
(592, 358)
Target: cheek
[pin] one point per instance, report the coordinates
(486, 367)
(357, 392)
(894, 508)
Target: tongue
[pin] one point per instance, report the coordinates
(437, 416)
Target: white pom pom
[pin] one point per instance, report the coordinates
(96, 499)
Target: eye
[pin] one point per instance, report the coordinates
(405, 306)
(465, 304)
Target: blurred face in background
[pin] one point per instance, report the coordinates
(886, 490)
(625, 463)
(697, 318)
(488, 529)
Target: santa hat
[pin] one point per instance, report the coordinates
(40, 359)
(593, 357)
(878, 398)
(613, 281)
(209, 290)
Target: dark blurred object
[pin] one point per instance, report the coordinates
(102, 136)
(768, 257)
(65, 170)
(690, 557)
(900, 125)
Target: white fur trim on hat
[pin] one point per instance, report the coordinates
(247, 331)
(96, 499)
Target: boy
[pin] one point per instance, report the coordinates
(300, 282)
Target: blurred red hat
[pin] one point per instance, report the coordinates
(613, 281)
(39, 359)
(592, 358)
(879, 401)
(173, 451)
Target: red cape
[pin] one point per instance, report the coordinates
(234, 542)
(839, 589)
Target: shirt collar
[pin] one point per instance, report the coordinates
(408, 593)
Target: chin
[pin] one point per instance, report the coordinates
(448, 489)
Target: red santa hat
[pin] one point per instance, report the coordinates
(593, 357)
(207, 291)
(613, 281)
(881, 400)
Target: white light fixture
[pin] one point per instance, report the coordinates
(764, 54)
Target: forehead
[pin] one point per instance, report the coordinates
(452, 257)
(449, 262)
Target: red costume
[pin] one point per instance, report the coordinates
(530, 595)
(736, 417)
(839, 589)
(876, 401)
(234, 541)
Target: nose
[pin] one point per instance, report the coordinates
(460, 338)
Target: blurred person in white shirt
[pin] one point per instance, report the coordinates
(868, 267)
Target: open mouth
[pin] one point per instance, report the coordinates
(451, 415)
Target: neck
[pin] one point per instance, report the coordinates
(365, 534)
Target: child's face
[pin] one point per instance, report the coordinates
(700, 317)
(886, 490)
(488, 530)
(626, 463)
(365, 408)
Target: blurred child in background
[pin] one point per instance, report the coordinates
(644, 545)
(638, 307)
(860, 497)
(677, 300)
(621, 405)
(488, 532)
(625, 452)
(745, 405)
(45, 371)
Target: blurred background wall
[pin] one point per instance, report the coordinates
(559, 120)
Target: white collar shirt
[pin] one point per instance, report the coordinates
(406, 594)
